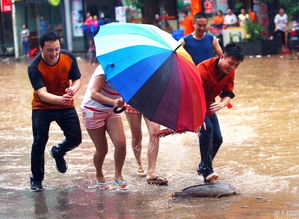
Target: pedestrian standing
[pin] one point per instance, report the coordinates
(99, 117)
(217, 75)
(281, 23)
(25, 34)
(243, 18)
(43, 25)
(55, 78)
(200, 44)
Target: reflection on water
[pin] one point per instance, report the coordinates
(259, 156)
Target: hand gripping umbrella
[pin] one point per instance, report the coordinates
(153, 73)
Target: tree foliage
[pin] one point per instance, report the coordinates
(290, 6)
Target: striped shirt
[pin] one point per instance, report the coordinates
(107, 91)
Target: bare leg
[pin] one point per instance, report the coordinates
(116, 133)
(153, 147)
(134, 120)
(100, 142)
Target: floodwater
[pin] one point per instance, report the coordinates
(259, 156)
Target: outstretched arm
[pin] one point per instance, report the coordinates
(216, 106)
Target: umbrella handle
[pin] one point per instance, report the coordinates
(116, 110)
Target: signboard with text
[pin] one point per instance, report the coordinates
(6, 6)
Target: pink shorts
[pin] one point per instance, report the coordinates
(94, 120)
(130, 109)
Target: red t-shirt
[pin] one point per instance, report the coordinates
(214, 82)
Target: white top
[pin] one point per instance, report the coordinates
(228, 19)
(25, 35)
(107, 91)
(281, 22)
(242, 19)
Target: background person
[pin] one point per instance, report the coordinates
(187, 22)
(230, 19)
(98, 117)
(43, 25)
(217, 75)
(218, 20)
(200, 44)
(243, 17)
(55, 77)
(25, 34)
(281, 22)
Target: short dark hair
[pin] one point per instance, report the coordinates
(200, 15)
(233, 50)
(48, 36)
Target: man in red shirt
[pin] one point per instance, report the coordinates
(217, 76)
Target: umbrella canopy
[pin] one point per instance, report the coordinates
(153, 73)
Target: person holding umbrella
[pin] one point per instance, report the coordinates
(134, 119)
(217, 76)
(99, 117)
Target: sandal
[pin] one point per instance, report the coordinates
(102, 186)
(157, 180)
(122, 184)
(141, 173)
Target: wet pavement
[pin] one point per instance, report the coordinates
(259, 156)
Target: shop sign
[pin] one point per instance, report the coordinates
(6, 6)
(209, 6)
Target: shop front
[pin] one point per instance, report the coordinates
(39, 16)
(6, 31)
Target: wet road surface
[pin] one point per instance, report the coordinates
(259, 156)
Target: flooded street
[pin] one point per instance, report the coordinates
(259, 156)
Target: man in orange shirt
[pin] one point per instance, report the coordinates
(55, 78)
(217, 76)
(187, 22)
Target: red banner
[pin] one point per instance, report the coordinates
(6, 6)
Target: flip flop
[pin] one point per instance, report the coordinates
(157, 180)
(141, 173)
(122, 184)
(102, 186)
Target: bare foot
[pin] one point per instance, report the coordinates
(212, 176)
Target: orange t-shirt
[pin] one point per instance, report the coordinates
(218, 20)
(188, 25)
(56, 78)
(214, 83)
(252, 16)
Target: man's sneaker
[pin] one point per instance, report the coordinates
(60, 161)
(36, 185)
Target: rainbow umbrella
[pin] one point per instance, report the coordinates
(153, 73)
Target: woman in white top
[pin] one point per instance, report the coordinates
(25, 33)
(281, 22)
(243, 17)
(98, 117)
